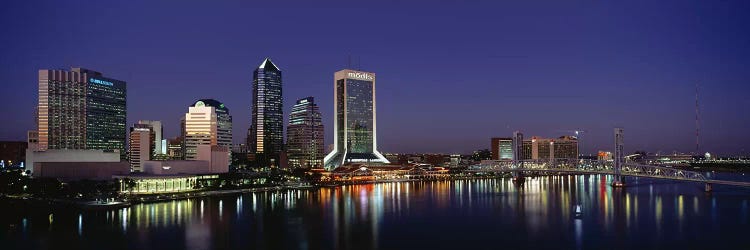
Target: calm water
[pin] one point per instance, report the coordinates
(463, 214)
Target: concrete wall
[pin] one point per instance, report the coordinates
(175, 167)
(217, 157)
(68, 155)
(73, 171)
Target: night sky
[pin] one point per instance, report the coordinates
(449, 75)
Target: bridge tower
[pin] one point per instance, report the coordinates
(517, 153)
(619, 158)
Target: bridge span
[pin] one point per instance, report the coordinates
(575, 166)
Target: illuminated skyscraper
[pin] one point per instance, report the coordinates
(266, 133)
(304, 145)
(81, 109)
(207, 123)
(354, 126)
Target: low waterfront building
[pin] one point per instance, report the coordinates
(156, 184)
(363, 172)
(178, 175)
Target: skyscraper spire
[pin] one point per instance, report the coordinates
(265, 137)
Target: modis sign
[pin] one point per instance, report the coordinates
(360, 76)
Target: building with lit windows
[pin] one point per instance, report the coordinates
(502, 148)
(207, 123)
(266, 134)
(81, 109)
(174, 148)
(354, 122)
(546, 148)
(304, 145)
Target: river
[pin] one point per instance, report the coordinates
(458, 214)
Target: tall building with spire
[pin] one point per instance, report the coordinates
(266, 134)
(304, 135)
(355, 120)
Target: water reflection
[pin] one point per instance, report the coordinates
(419, 215)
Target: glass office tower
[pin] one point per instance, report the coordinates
(355, 139)
(81, 109)
(304, 145)
(266, 133)
(105, 113)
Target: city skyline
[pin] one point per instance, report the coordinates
(648, 89)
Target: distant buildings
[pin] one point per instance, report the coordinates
(175, 148)
(266, 134)
(305, 135)
(12, 153)
(156, 136)
(146, 143)
(501, 148)
(604, 156)
(81, 109)
(355, 129)
(543, 148)
(207, 122)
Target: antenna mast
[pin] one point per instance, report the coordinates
(697, 121)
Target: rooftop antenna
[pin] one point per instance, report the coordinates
(697, 121)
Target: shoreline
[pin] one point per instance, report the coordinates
(145, 198)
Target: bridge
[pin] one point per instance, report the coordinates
(576, 166)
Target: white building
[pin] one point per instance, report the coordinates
(207, 122)
(69, 155)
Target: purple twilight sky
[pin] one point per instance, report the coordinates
(450, 74)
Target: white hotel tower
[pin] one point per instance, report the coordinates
(354, 126)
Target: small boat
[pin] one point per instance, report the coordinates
(578, 213)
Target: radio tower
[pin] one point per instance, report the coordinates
(697, 121)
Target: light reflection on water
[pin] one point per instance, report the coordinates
(419, 215)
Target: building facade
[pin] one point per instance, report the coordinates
(140, 146)
(538, 148)
(157, 142)
(69, 155)
(266, 134)
(355, 120)
(207, 123)
(174, 148)
(81, 109)
(501, 148)
(305, 135)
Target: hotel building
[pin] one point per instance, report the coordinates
(81, 109)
